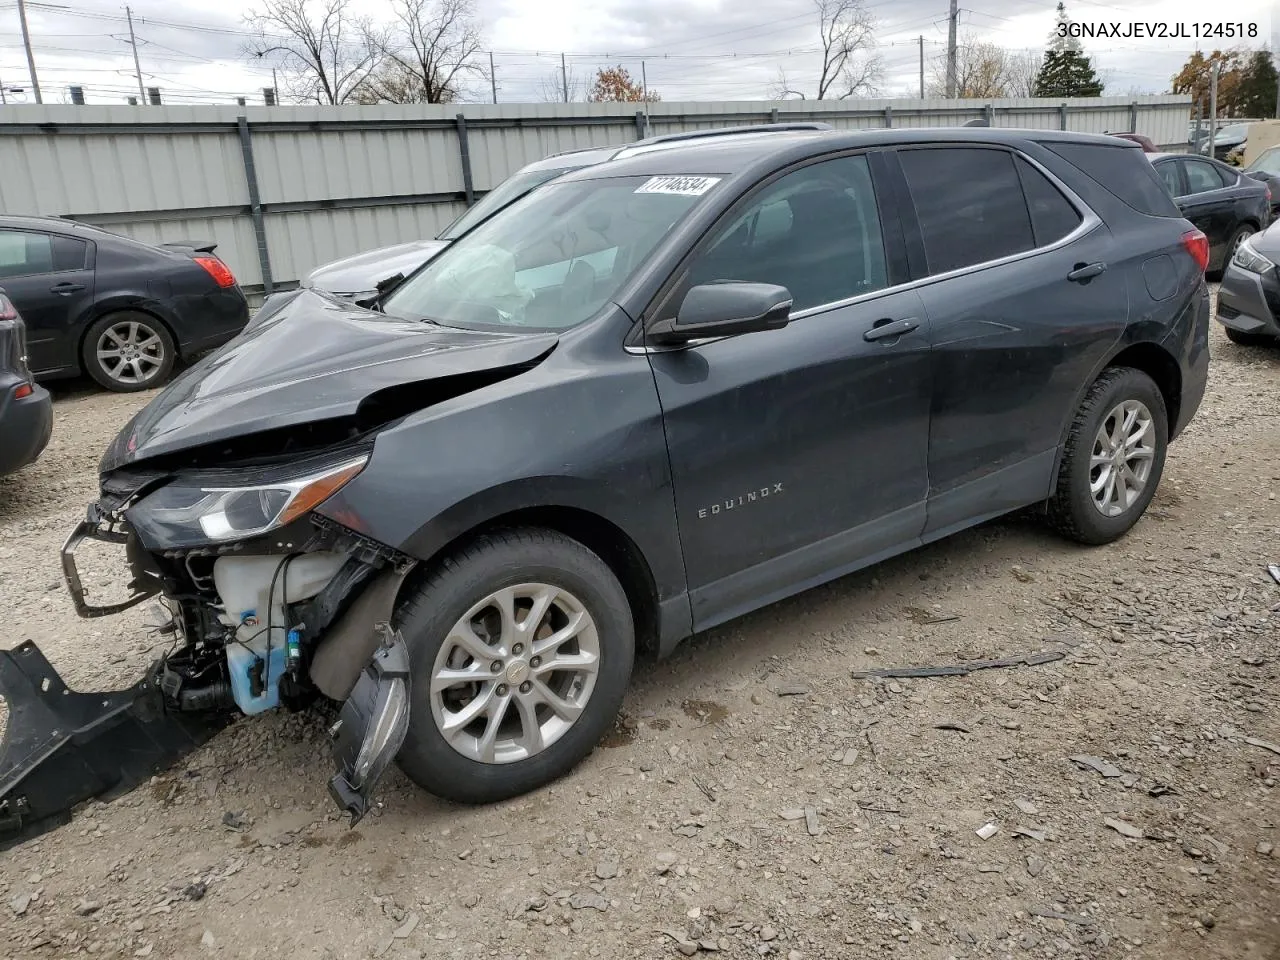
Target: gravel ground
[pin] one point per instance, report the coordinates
(756, 799)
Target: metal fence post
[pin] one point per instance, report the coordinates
(1133, 116)
(991, 114)
(888, 117)
(1062, 116)
(642, 128)
(464, 153)
(773, 115)
(255, 205)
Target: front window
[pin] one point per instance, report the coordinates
(553, 260)
(1233, 131)
(503, 195)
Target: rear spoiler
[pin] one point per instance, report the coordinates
(195, 246)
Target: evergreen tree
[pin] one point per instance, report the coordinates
(1066, 71)
(1256, 92)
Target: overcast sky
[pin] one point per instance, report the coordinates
(691, 49)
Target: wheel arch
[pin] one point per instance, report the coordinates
(1146, 356)
(613, 545)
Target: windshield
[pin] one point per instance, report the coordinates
(552, 260)
(1268, 162)
(503, 195)
(1235, 130)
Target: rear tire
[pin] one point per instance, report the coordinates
(1248, 339)
(446, 617)
(1102, 491)
(129, 351)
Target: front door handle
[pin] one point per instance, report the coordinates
(66, 289)
(1086, 271)
(888, 329)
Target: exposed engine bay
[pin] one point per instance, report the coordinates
(299, 615)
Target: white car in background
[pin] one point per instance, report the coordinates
(357, 278)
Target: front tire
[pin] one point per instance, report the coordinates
(521, 647)
(1113, 458)
(129, 351)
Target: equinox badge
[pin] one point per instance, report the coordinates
(725, 505)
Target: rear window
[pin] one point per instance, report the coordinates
(1125, 172)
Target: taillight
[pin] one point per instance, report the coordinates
(7, 309)
(1268, 189)
(24, 390)
(1197, 244)
(220, 272)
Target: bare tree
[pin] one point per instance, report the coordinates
(849, 65)
(983, 71)
(551, 88)
(433, 50)
(324, 51)
(1023, 70)
(783, 89)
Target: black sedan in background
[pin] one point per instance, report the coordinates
(1249, 298)
(121, 311)
(26, 412)
(1227, 206)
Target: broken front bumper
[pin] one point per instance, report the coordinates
(62, 747)
(104, 528)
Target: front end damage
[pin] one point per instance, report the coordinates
(296, 614)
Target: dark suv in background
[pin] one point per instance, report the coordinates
(650, 397)
(26, 410)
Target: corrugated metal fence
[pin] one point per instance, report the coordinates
(285, 189)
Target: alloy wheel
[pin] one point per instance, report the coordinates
(1123, 453)
(130, 352)
(514, 673)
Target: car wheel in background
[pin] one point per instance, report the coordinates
(521, 648)
(1113, 458)
(1249, 339)
(129, 351)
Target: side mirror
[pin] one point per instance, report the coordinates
(723, 309)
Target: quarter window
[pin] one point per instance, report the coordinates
(23, 253)
(815, 231)
(1052, 215)
(969, 205)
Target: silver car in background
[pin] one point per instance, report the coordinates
(357, 277)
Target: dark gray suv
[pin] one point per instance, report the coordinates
(652, 396)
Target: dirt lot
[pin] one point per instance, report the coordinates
(757, 800)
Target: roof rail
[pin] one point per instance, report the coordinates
(733, 131)
(672, 138)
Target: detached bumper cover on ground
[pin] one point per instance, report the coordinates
(62, 747)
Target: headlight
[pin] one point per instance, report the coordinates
(185, 513)
(1247, 258)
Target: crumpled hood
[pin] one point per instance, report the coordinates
(363, 272)
(308, 357)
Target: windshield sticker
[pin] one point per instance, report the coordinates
(678, 186)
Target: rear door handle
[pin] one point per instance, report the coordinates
(887, 329)
(1086, 271)
(66, 289)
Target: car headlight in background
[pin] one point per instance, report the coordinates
(1247, 258)
(188, 513)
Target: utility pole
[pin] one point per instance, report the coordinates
(644, 89)
(275, 91)
(3, 100)
(564, 78)
(493, 78)
(1213, 105)
(133, 42)
(26, 42)
(951, 49)
(921, 39)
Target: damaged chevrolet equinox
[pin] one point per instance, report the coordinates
(648, 398)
